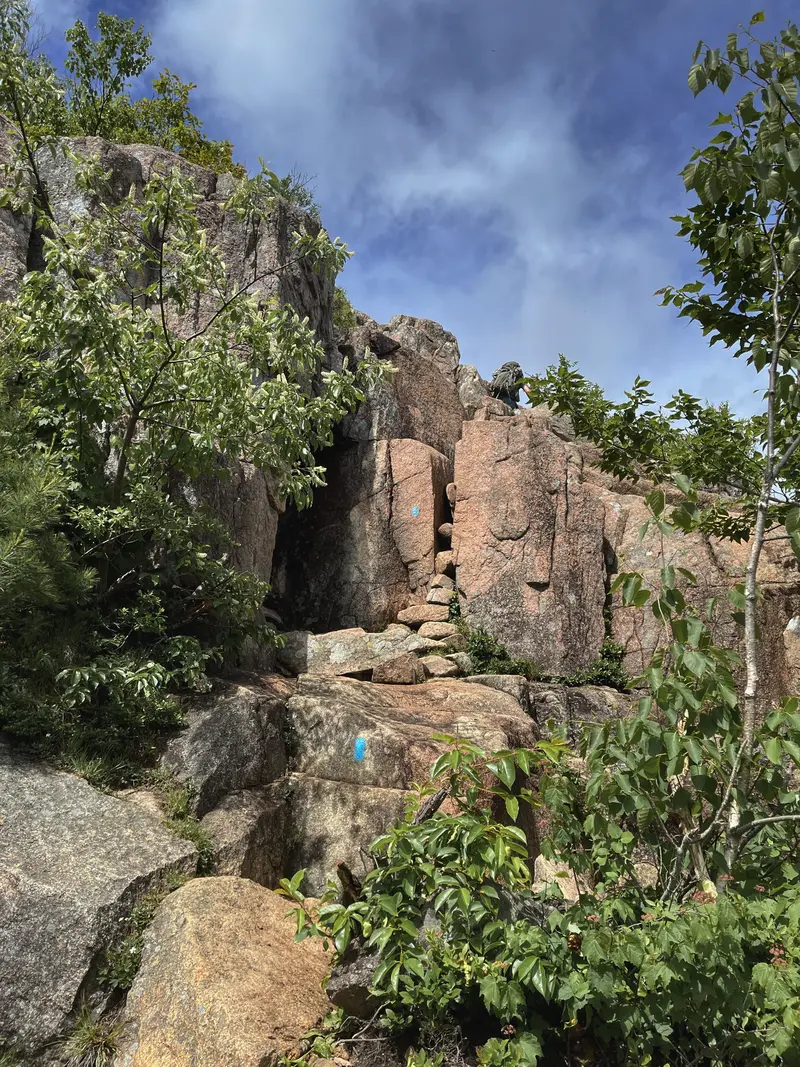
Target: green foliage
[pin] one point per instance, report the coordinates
(131, 393)
(344, 316)
(606, 669)
(93, 1041)
(489, 656)
(123, 958)
(93, 98)
(618, 978)
(638, 438)
(179, 803)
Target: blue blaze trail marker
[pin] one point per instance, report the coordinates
(415, 510)
(360, 749)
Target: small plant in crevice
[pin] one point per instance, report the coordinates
(123, 956)
(606, 669)
(180, 817)
(93, 1040)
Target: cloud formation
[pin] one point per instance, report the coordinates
(506, 169)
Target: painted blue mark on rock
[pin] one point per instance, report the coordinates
(360, 749)
(415, 510)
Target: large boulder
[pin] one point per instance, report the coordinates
(233, 739)
(369, 542)
(73, 861)
(341, 652)
(361, 747)
(528, 541)
(222, 981)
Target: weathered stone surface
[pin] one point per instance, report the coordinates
(451, 493)
(445, 563)
(718, 566)
(72, 863)
(472, 389)
(528, 542)
(440, 596)
(456, 643)
(251, 256)
(439, 667)
(247, 503)
(369, 541)
(419, 475)
(222, 981)
(248, 831)
(438, 631)
(352, 651)
(340, 803)
(233, 739)
(421, 613)
(446, 530)
(441, 581)
(462, 660)
(395, 724)
(332, 822)
(515, 685)
(349, 985)
(421, 400)
(577, 706)
(403, 670)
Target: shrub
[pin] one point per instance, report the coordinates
(624, 976)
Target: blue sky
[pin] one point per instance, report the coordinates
(506, 167)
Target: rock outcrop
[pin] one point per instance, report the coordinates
(233, 739)
(528, 541)
(73, 862)
(222, 981)
(359, 749)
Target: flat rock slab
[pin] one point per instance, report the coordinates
(343, 652)
(222, 981)
(418, 614)
(72, 863)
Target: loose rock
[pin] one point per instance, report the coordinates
(403, 670)
(420, 613)
(440, 667)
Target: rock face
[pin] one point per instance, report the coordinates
(717, 565)
(528, 542)
(222, 981)
(233, 740)
(360, 747)
(72, 863)
(369, 542)
(421, 401)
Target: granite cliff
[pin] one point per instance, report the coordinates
(441, 503)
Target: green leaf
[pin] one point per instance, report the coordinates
(512, 807)
(773, 750)
(758, 17)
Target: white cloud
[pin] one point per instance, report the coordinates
(413, 150)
